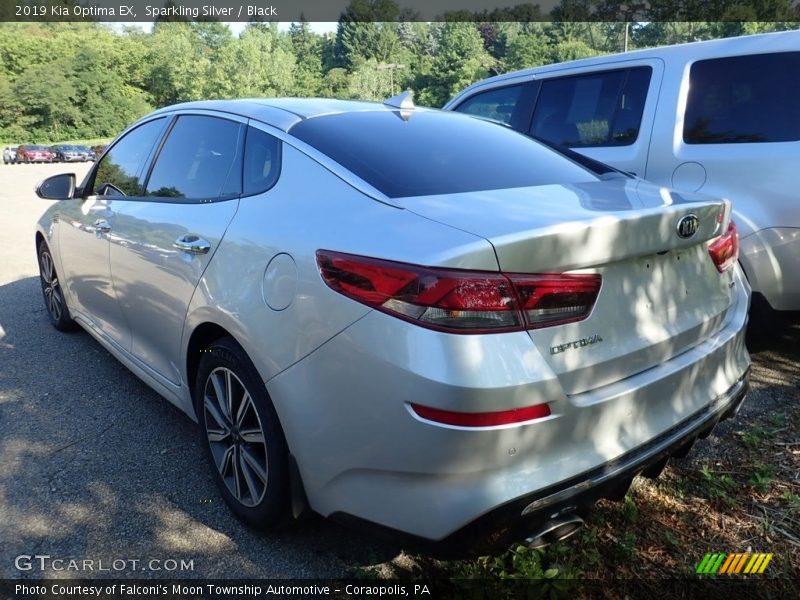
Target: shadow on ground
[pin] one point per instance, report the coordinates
(95, 465)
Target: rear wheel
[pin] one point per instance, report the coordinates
(241, 436)
(53, 294)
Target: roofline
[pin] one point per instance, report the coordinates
(642, 53)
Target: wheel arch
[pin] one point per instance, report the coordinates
(201, 337)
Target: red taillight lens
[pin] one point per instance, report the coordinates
(483, 419)
(460, 301)
(549, 300)
(724, 250)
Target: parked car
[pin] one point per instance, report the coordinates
(9, 155)
(30, 153)
(72, 153)
(401, 316)
(719, 117)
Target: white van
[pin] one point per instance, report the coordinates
(721, 117)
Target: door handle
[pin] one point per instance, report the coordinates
(192, 244)
(102, 226)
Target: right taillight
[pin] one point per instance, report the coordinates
(555, 299)
(724, 250)
(460, 301)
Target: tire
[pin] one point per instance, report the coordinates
(764, 324)
(54, 302)
(248, 457)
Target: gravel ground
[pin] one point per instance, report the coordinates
(94, 465)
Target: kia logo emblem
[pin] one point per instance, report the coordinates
(688, 226)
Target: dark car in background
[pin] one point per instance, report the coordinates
(29, 153)
(72, 153)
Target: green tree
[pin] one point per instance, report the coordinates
(178, 64)
(461, 59)
(256, 65)
(528, 49)
(307, 49)
(50, 108)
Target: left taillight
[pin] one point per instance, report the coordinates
(724, 250)
(460, 301)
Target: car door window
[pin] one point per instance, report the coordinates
(496, 105)
(119, 171)
(201, 159)
(744, 99)
(597, 109)
(262, 163)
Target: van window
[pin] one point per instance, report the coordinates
(596, 109)
(744, 99)
(496, 105)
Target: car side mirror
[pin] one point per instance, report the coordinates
(109, 189)
(57, 187)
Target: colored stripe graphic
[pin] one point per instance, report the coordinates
(717, 563)
(735, 560)
(733, 564)
(701, 567)
(740, 564)
(756, 559)
(727, 563)
(765, 563)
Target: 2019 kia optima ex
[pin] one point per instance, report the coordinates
(401, 316)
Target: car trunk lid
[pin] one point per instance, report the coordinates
(661, 292)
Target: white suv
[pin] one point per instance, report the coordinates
(720, 117)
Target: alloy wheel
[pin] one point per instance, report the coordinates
(235, 436)
(54, 300)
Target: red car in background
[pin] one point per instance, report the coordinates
(29, 153)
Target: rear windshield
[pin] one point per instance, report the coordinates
(435, 153)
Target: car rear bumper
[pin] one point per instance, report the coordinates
(361, 452)
(519, 518)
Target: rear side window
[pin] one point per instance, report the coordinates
(744, 99)
(495, 105)
(262, 161)
(597, 109)
(120, 169)
(201, 159)
(433, 152)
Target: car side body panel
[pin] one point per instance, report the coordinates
(284, 311)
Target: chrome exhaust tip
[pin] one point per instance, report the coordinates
(554, 530)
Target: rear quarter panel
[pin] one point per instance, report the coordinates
(310, 209)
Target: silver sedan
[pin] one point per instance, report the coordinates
(401, 316)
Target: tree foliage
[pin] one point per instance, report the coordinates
(84, 80)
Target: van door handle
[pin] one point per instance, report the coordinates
(192, 244)
(102, 226)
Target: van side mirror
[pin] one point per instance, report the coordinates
(57, 187)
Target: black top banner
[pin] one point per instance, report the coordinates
(148, 11)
